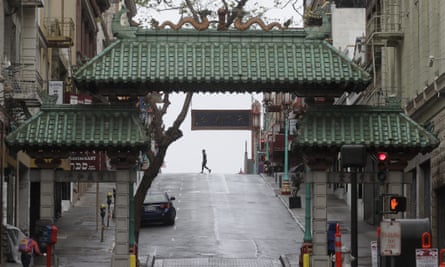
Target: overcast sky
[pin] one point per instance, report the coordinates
(225, 149)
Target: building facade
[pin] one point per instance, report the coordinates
(404, 48)
(41, 43)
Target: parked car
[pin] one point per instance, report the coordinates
(158, 208)
(12, 237)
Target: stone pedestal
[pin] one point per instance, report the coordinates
(121, 255)
(319, 219)
(47, 195)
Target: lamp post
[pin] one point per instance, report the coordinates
(286, 102)
(256, 106)
(267, 100)
(432, 59)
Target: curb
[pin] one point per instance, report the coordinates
(299, 223)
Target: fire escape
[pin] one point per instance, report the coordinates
(23, 81)
(383, 35)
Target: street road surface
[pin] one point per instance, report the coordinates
(229, 216)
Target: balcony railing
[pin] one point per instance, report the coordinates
(29, 3)
(386, 28)
(58, 32)
(24, 89)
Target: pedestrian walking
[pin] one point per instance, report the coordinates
(28, 248)
(204, 162)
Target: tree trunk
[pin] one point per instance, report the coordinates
(149, 176)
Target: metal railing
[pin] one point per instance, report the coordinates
(29, 3)
(59, 32)
(388, 24)
(21, 88)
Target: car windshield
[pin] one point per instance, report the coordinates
(155, 197)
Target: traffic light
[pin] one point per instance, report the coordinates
(382, 166)
(397, 203)
(263, 142)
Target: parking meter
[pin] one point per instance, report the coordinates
(102, 214)
(102, 211)
(109, 200)
(114, 197)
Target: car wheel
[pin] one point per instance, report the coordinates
(171, 220)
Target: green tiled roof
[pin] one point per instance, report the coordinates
(375, 127)
(215, 61)
(80, 127)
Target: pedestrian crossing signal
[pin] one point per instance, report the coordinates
(397, 204)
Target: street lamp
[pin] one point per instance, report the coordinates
(286, 102)
(267, 97)
(432, 59)
(256, 106)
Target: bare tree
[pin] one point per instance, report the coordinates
(163, 139)
(231, 8)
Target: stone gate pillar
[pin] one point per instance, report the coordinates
(319, 218)
(47, 205)
(122, 219)
(319, 162)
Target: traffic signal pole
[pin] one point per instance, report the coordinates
(354, 234)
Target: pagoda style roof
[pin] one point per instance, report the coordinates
(81, 127)
(382, 127)
(144, 60)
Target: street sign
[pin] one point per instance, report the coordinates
(390, 238)
(427, 257)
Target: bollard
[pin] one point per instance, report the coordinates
(338, 259)
(132, 260)
(306, 260)
(305, 251)
(442, 258)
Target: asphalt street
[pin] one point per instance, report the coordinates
(229, 217)
(79, 243)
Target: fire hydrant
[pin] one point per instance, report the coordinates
(346, 257)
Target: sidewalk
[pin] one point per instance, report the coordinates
(79, 234)
(337, 211)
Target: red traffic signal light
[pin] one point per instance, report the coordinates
(397, 203)
(382, 156)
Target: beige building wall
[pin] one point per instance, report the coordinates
(421, 84)
(424, 28)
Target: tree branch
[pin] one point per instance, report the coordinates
(236, 11)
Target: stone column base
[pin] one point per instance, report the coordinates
(320, 261)
(120, 261)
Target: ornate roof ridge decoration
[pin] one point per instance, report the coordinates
(48, 99)
(317, 24)
(119, 30)
(380, 127)
(242, 26)
(198, 25)
(127, 31)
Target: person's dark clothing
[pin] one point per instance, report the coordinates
(26, 259)
(204, 162)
